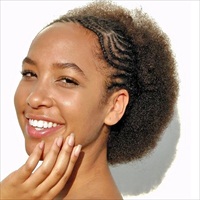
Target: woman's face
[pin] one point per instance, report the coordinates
(61, 89)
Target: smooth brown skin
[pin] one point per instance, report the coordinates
(77, 107)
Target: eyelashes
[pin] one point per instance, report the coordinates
(28, 73)
(63, 80)
(67, 80)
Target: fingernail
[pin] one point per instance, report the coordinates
(41, 144)
(77, 150)
(59, 141)
(71, 140)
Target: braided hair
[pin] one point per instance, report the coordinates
(139, 55)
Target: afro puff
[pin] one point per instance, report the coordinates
(142, 62)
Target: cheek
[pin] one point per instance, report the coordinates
(19, 97)
(85, 119)
(19, 102)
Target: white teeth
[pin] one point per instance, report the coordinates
(50, 124)
(40, 124)
(54, 124)
(45, 124)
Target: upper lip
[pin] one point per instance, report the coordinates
(42, 117)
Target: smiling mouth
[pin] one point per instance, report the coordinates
(41, 124)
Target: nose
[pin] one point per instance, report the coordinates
(39, 97)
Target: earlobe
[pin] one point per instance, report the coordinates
(118, 103)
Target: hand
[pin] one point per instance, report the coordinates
(49, 178)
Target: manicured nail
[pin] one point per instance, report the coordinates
(71, 140)
(59, 141)
(41, 144)
(77, 150)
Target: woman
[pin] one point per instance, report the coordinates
(100, 84)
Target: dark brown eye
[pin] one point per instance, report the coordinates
(68, 82)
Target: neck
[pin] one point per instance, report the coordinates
(91, 164)
(88, 168)
(91, 174)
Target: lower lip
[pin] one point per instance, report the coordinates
(31, 131)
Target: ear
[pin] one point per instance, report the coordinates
(117, 106)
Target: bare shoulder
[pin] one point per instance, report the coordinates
(105, 189)
(100, 188)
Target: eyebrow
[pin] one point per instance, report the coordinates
(28, 61)
(58, 66)
(70, 66)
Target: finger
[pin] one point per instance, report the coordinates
(72, 162)
(61, 164)
(46, 167)
(62, 182)
(26, 170)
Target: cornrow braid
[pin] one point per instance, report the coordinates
(116, 47)
(141, 61)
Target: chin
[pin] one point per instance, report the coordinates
(29, 147)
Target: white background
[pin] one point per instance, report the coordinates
(21, 20)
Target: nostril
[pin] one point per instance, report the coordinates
(39, 99)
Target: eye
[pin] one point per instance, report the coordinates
(68, 82)
(28, 74)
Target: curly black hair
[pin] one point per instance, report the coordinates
(142, 62)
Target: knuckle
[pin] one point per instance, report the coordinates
(65, 178)
(51, 194)
(13, 176)
(28, 167)
(73, 160)
(40, 194)
(67, 150)
(44, 171)
(54, 151)
(58, 172)
(36, 194)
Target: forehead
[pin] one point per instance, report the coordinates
(65, 30)
(67, 42)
